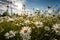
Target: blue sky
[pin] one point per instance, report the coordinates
(42, 4)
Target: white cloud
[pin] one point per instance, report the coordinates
(11, 0)
(19, 5)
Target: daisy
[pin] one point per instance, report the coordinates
(10, 34)
(46, 34)
(54, 39)
(46, 28)
(10, 19)
(27, 21)
(56, 28)
(38, 24)
(25, 33)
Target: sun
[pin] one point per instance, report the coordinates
(19, 5)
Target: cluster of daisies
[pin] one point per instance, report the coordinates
(25, 32)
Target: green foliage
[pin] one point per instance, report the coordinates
(1, 29)
(37, 33)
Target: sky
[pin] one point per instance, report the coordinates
(41, 4)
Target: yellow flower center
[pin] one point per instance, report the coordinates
(58, 29)
(25, 31)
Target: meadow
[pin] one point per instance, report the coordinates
(24, 27)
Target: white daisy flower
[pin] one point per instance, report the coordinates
(25, 33)
(47, 28)
(46, 34)
(10, 19)
(27, 21)
(56, 27)
(10, 34)
(38, 24)
(54, 39)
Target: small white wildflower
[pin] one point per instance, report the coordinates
(25, 33)
(56, 27)
(54, 39)
(27, 21)
(38, 24)
(10, 19)
(10, 34)
(21, 23)
(46, 28)
(46, 34)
